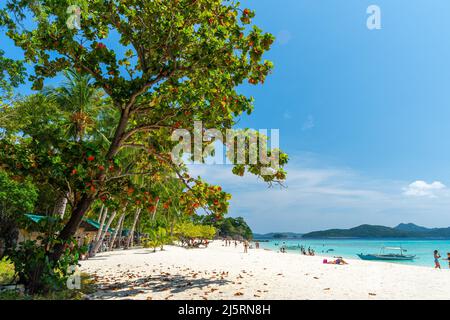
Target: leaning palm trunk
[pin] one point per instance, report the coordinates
(122, 217)
(100, 215)
(103, 233)
(131, 235)
(104, 214)
(120, 233)
(154, 210)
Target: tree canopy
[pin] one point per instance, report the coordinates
(135, 71)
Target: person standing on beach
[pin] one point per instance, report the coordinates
(437, 256)
(245, 246)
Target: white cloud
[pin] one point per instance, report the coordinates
(284, 37)
(421, 188)
(309, 123)
(319, 197)
(287, 115)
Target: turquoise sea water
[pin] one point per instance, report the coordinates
(349, 248)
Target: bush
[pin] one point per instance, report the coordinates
(87, 287)
(17, 196)
(35, 269)
(188, 233)
(158, 238)
(7, 272)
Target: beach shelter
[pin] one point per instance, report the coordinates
(29, 233)
(88, 228)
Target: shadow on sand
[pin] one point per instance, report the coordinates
(171, 284)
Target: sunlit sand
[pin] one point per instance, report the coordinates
(220, 272)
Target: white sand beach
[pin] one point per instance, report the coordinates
(220, 272)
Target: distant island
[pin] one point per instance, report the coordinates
(403, 230)
(277, 235)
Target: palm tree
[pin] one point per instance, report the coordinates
(80, 100)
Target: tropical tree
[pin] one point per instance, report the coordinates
(188, 233)
(80, 100)
(11, 75)
(17, 195)
(162, 65)
(157, 238)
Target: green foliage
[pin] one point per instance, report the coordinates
(175, 62)
(35, 269)
(158, 238)
(16, 198)
(164, 72)
(187, 232)
(87, 287)
(7, 273)
(235, 228)
(12, 74)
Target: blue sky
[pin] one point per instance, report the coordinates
(364, 115)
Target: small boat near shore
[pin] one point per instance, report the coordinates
(383, 256)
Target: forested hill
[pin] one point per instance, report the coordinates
(371, 231)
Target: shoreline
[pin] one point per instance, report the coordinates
(227, 273)
(350, 249)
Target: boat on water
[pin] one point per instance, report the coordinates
(383, 256)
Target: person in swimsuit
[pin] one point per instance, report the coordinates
(339, 261)
(246, 246)
(437, 256)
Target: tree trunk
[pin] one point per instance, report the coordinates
(139, 231)
(172, 225)
(118, 135)
(60, 206)
(154, 211)
(72, 226)
(122, 217)
(102, 224)
(86, 201)
(120, 233)
(130, 239)
(102, 237)
(100, 215)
